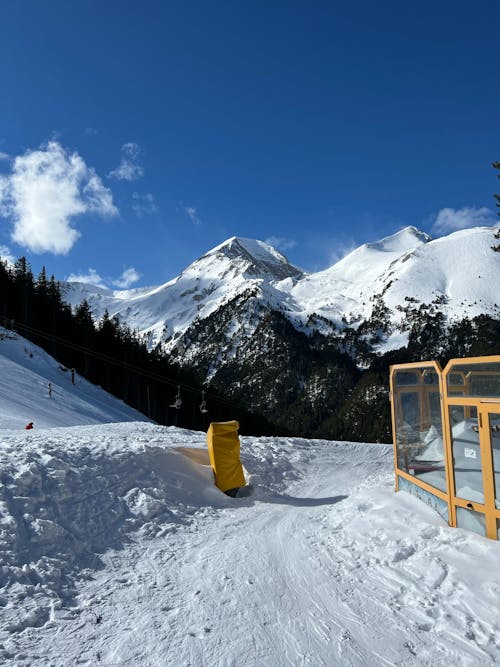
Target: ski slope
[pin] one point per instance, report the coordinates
(25, 373)
(116, 548)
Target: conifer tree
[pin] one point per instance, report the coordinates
(24, 288)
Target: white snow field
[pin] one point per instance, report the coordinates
(25, 373)
(117, 549)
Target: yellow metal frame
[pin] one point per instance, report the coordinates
(484, 406)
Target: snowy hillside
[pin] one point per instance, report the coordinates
(348, 287)
(459, 271)
(243, 304)
(26, 371)
(236, 266)
(117, 550)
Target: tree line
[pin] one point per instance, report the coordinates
(109, 354)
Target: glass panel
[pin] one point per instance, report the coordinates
(471, 520)
(419, 441)
(481, 379)
(435, 407)
(440, 506)
(402, 378)
(495, 450)
(430, 376)
(466, 453)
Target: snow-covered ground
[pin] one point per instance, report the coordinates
(25, 373)
(116, 549)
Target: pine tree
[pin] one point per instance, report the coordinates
(5, 291)
(496, 248)
(24, 286)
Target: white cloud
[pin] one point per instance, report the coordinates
(4, 156)
(450, 219)
(191, 213)
(281, 243)
(46, 189)
(144, 204)
(6, 255)
(341, 250)
(128, 277)
(129, 169)
(92, 277)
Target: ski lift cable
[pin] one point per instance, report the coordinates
(121, 364)
(125, 365)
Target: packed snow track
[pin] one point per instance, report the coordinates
(118, 550)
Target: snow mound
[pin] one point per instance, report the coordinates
(68, 495)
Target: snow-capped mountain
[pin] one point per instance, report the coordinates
(459, 272)
(167, 311)
(289, 345)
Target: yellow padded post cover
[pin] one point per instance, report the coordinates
(224, 451)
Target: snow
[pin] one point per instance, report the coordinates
(26, 370)
(258, 250)
(117, 549)
(459, 270)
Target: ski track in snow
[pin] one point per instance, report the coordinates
(141, 561)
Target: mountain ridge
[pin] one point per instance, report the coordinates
(459, 270)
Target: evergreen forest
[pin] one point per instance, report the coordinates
(332, 387)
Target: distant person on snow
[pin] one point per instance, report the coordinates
(29, 426)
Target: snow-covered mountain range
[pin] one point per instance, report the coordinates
(459, 272)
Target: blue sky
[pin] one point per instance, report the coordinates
(136, 136)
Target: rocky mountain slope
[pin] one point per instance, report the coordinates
(292, 344)
(458, 272)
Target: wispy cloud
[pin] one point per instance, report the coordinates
(191, 213)
(128, 278)
(91, 131)
(91, 277)
(451, 219)
(6, 255)
(144, 204)
(44, 193)
(341, 250)
(4, 156)
(130, 167)
(281, 243)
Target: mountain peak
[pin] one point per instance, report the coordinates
(261, 259)
(405, 239)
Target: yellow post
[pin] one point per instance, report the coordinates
(224, 451)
